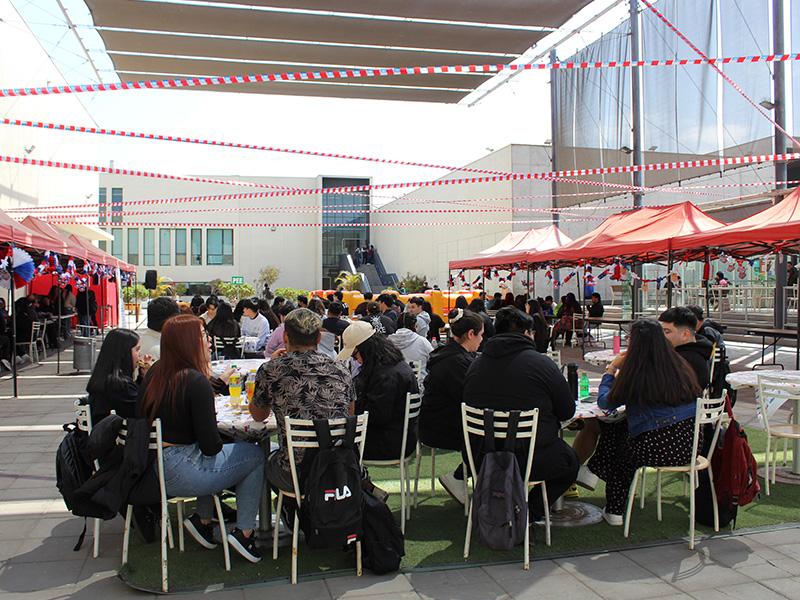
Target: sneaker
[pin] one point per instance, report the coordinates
(246, 546)
(612, 519)
(572, 492)
(587, 479)
(202, 533)
(454, 487)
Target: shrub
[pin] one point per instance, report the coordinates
(131, 293)
(290, 293)
(412, 283)
(234, 292)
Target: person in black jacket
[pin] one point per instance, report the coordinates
(380, 322)
(541, 331)
(440, 414)
(381, 386)
(223, 325)
(114, 384)
(511, 375)
(479, 306)
(437, 323)
(679, 324)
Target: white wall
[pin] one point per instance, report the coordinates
(26, 186)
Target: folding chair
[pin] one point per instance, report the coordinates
(33, 350)
(411, 414)
(156, 444)
(221, 344)
(83, 417)
(776, 389)
(709, 412)
(300, 433)
(473, 421)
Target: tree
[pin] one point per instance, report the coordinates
(267, 276)
(235, 292)
(412, 283)
(132, 293)
(348, 281)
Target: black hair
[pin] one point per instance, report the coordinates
(335, 309)
(510, 319)
(302, 300)
(286, 308)
(330, 297)
(265, 309)
(497, 296)
(212, 301)
(224, 313)
(697, 311)
(373, 308)
(114, 367)
(427, 307)
(408, 321)
(376, 352)
(548, 298)
(680, 316)
(159, 310)
(387, 299)
(368, 296)
(596, 295)
(571, 300)
(461, 302)
(238, 310)
(315, 305)
(416, 300)
(477, 305)
(469, 321)
(249, 304)
(339, 295)
(653, 373)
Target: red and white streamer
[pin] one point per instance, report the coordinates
(322, 225)
(218, 80)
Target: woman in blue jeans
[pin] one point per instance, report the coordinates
(196, 462)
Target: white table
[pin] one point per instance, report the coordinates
(218, 367)
(749, 379)
(601, 358)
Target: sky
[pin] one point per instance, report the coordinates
(518, 112)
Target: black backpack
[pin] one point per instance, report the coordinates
(331, 510)
(383, 543)
(501, 499)
(73, 469)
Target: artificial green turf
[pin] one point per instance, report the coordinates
(435, 535)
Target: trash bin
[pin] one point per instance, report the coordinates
(83, 353)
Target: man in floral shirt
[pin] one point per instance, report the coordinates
(301, 383)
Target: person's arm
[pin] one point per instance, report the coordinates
(274, 341)
(204, 414)
(603, 400)
(261, 405)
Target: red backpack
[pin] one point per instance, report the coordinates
(735, 468)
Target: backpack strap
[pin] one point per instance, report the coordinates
(511, 432)
(488, 430)
(349, 440)
(323, 430)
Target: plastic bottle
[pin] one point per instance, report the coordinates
(235, 389)
(584, 387)
(617, 344)
(250, 385)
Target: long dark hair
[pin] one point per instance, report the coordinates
(376, 352)
(652, 372)
(461, 302)
(114, 366)
(265, 309)
(182, 350)
(223, 324)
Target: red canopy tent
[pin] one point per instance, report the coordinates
(514, 247)
(776, 227)
(45, 228)
(20, 234)
(643, 235)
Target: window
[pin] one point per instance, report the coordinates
(116, 243)
(164, 247)
(101, 205)
(133, 246)
(180, 247)
(149, 249)
(116, 205)
(197, 246)
(219, 246)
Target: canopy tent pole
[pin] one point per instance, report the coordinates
(670, 283)
(581, 292)
(60, 325)
(706, 280)
(449, 289)
(13, 321)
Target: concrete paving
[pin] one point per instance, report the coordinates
(37, 533)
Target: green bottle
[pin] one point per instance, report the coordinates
(583, 388)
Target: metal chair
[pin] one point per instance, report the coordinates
(411, 414)
(300, 433)
(772, 392)
(40, 334)
(709, 411)
(473, 422)
(83, 418)
(156, 444)
(33, 350)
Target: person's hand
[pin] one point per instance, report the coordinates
(615, 364)
(145, 362)
(278, 353)
(227, 374)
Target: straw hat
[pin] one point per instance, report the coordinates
(356, 333)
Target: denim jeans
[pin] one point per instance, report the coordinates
(187, 472)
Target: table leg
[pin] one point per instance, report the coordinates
(796, 443)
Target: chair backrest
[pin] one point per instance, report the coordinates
(155, 444)
(709, 412)
(221, 343)
(773, 391)
(472, 420)
(83, 416)
(300, 433)
(716, 362)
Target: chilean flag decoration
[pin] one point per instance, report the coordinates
(24, 269)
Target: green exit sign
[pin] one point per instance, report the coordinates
(237, 280)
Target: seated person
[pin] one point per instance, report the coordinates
(210, 310)
(596, 308)
(437, 323)
(658, 430)
(275, 341)
(541, 331)
(339, 295)
(196, 462)
(679, 324)
(158, 311)
(224, 326)
(440, 414)
(711, 331)
(320, 388)
(414, 307)
(254, 325)
(361, 309)
(334, 321)
(379, 321)
(566, 322)
(548, 306)
(114, 384)
(381, 385)
(496, 303)
(411, 344)
(386, 302)
(511, 374)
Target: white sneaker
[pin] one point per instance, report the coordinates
(454, 487)
(612, 519)
(587, 479)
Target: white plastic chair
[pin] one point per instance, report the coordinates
(38, 340)
(83, 416)
(781, 389)
(473, 422)
(156, 444)
(555, 356)
(300, 433)
(709, 411)
(33, 348)
(411, 413)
